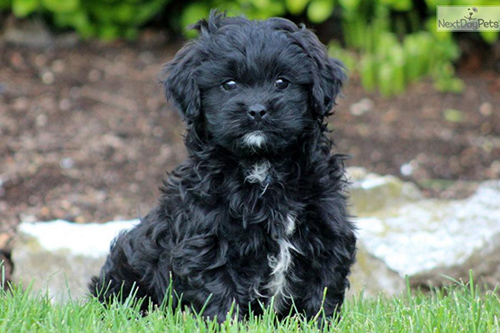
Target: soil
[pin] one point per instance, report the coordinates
(86, 135)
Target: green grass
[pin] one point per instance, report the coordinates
(460, 308)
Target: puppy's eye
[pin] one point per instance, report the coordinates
(281, 83)
(229, 85)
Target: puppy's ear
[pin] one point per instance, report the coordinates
(329, 73)
(178, 75)
(181, 89)
(328, 84)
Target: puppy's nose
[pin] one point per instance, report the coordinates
(257, 111)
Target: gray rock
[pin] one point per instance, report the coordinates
(30, 33)
(365, 105)
(426, 240)
(34, 33)
(371, 192)
(60, 256)
(371, 276)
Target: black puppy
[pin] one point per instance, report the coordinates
(258, 210)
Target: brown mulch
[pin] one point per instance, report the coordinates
(86, 135)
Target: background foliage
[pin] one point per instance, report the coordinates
(388, 43)
(105, 19)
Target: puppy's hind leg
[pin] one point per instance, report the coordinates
(117, 279)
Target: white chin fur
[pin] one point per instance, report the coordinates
(254, 139)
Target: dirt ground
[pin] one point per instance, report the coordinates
(86, 135)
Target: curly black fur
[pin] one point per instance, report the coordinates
(258, 210)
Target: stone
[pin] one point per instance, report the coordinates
(34, 33)
(365, 105)
(60, 257)
(428, 240)
(370, 192)
(29, 33)
(371, 276)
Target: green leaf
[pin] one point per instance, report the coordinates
(398, 79)
(296, 7)
(109, 32)
(448, 50)
(385, 75)
(349, 5)
(449, 84)
(5, 4)
(69, 19)
(319, 10)
(86, 30)
(397, 60)
(489, 36)
(417, 54)
(131, 33)
(463, 2)
(101, 13)
(391, 77)
(368, 76)
(78, 20)
(61, 6)
(261, 4)
(402, 5)
(355, 32)
(457, 85)
(23, 8)
(386, 41)
(146, 12)
(396, 55)
(349, 59)
(453, 115)
(124, 13)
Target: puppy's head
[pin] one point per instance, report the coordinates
(253, 86)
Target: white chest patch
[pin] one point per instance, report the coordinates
(280, 264)
(254, 139)
(258, 173)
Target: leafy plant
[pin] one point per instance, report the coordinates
(5, 4)
(393, 43)
(105, 19)
(394, 49)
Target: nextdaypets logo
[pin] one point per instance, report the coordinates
(471, 11)
(468, 18)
